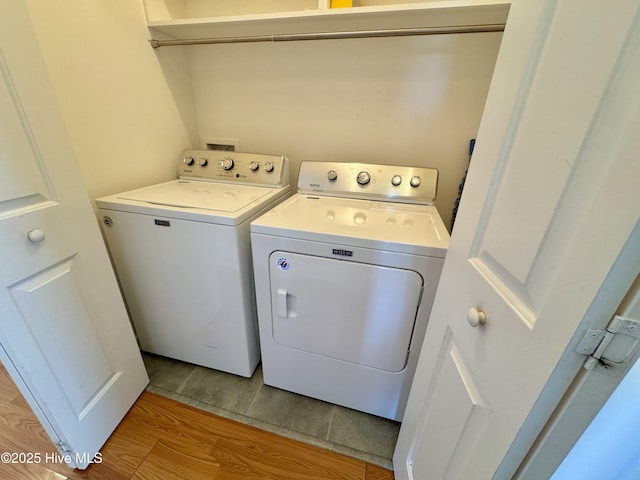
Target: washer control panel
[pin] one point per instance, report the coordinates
(234, 167)
(371, 181)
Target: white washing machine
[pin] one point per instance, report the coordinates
(182, 254)
(346, 271)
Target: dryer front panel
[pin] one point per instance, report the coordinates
(350, 311)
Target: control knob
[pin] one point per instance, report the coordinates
(268, 167)
(363, 178)
(253, 166)
(203, 162)
(227, 163)
(332, 175)
(396, 180)
(415, 181)
(188, 160)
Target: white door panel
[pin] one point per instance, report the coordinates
(64, 333)
(17, 144)
(530, 205)
(454, 389)
(350, 311)
(550, 202)
(80, 368)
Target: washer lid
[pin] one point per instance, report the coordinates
(217, 197)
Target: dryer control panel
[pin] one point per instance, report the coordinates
(395, 183)
(234, 167)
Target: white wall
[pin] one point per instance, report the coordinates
(415, 101)
(128, 111)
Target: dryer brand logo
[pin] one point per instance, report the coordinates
(283, 263)
(344, 253)
(162, 223)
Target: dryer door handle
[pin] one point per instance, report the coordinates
(281, 303)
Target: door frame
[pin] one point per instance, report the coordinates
(548, 421)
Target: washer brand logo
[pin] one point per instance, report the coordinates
(283, 263)
(344, 253)
(162, 223)
(107, 221)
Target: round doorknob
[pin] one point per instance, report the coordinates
(36, 235)
(476, 317)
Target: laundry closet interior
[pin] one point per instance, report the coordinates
(406, 100)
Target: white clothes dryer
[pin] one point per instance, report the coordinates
(346, 271)
(182, 253)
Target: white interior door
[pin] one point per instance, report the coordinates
(545, 234)
(64, 333)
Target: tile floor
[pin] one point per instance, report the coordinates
(249, 401)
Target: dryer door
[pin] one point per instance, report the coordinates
(349, 311)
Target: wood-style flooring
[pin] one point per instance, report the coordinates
(163, 439)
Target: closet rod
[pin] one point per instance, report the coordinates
(290, 37)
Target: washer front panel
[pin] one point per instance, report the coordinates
(188, 288)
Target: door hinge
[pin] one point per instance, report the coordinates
(610, 349)
(64, 448)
